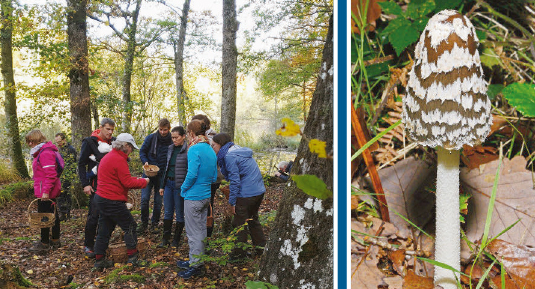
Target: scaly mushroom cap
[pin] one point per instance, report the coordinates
(446, 102)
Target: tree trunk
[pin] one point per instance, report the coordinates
(12, 123)
(305, 101)
(299, 252)
(79, 72)
(179, 65)
(128, 68)
(230, 60)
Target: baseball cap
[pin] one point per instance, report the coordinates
(126, 137)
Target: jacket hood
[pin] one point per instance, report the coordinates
(96, 133)
(48, 144)
(240, 151)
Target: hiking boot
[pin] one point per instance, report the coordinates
(191, 272)
(55, 244)
(183, 264)
(39, 248)
(179, 228)
(141, 228)
(102, 264)
(89, 253)
(167, 224)
(134, 260)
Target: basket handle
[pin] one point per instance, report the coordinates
(31, 203)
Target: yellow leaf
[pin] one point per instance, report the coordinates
(289, 128)
(318, 147)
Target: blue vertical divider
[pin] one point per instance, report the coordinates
(342, 96)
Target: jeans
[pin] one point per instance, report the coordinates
(173, 202)
(195, 212)
(114, 213)
(92, 223)
(47, 207)
(247, 211)
(153, 185)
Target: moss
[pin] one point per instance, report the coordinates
(10, 277)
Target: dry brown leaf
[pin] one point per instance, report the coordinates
(398, 259)
(515, 199)
(519, 262)
(413, 281)
(474, 157)
(374, 12)
(354, 202)
(403, 185)
(365, 273)
(395, 282)
(509, 284)
(497, 123)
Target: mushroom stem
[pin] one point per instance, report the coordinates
(447, 244)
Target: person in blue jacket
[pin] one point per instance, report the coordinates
(202, 172)
(175, 173)
(154, 152)
(246, 189)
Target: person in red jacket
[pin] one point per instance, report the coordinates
(113, 182)
(46, 185)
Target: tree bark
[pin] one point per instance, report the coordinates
(229, 64)
(12, 123)
(79, 72)
(299, 252)
(178, 46)
(128, 68)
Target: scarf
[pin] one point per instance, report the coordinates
(198, 139)
(221, 158)
(36, 148)
(158, 139)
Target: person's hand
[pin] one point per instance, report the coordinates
(45, 196)
(277, 174)
(233, 210)
(148, 180)
(88, 190)
(161, 192)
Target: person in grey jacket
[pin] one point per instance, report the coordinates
(246, 190)
(171, 182)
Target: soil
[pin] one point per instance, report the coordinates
(67, 267)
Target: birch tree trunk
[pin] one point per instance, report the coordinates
(12, 123)
(178, 46)
(79, 72)
(229, 64)
(299, 253)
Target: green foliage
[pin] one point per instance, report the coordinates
(493, 90)
(8, 174)
(224, 245)
(18, 189)
(259, 285)
(522, 97)
(266, 219)
(122, 275)
(312, 186)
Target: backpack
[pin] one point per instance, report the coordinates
(60, 163)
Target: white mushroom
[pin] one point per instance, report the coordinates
(446, 106)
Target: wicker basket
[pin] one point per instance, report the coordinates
(41, 220)
(151, 170)
(118, 253)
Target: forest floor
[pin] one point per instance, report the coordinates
(67, 267)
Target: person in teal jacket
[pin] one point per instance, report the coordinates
(246, 190)
(202, 172)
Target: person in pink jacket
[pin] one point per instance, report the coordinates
(47, 186)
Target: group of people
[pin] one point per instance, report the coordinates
(192, 161)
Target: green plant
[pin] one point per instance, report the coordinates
(259, 285)
(267, 218)
(115, 276)
(8, 174)
(225, 246)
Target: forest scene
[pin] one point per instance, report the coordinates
(442, 144)
(259, 72)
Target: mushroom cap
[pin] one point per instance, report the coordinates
(446, 103)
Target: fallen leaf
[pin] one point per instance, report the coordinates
(403, 185)
(514, 200)
(398, 259)
(518, 260)
(474, 157)
(354, 202)
(30, 271)
(374, 12)
(365, 274)
(395, 282)
(413, 281)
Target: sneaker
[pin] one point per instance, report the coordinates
(39, 248)
(191, 272)
(183, 264)
(55, 244)
(102, 264)
(141, 228)
(89, 253)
